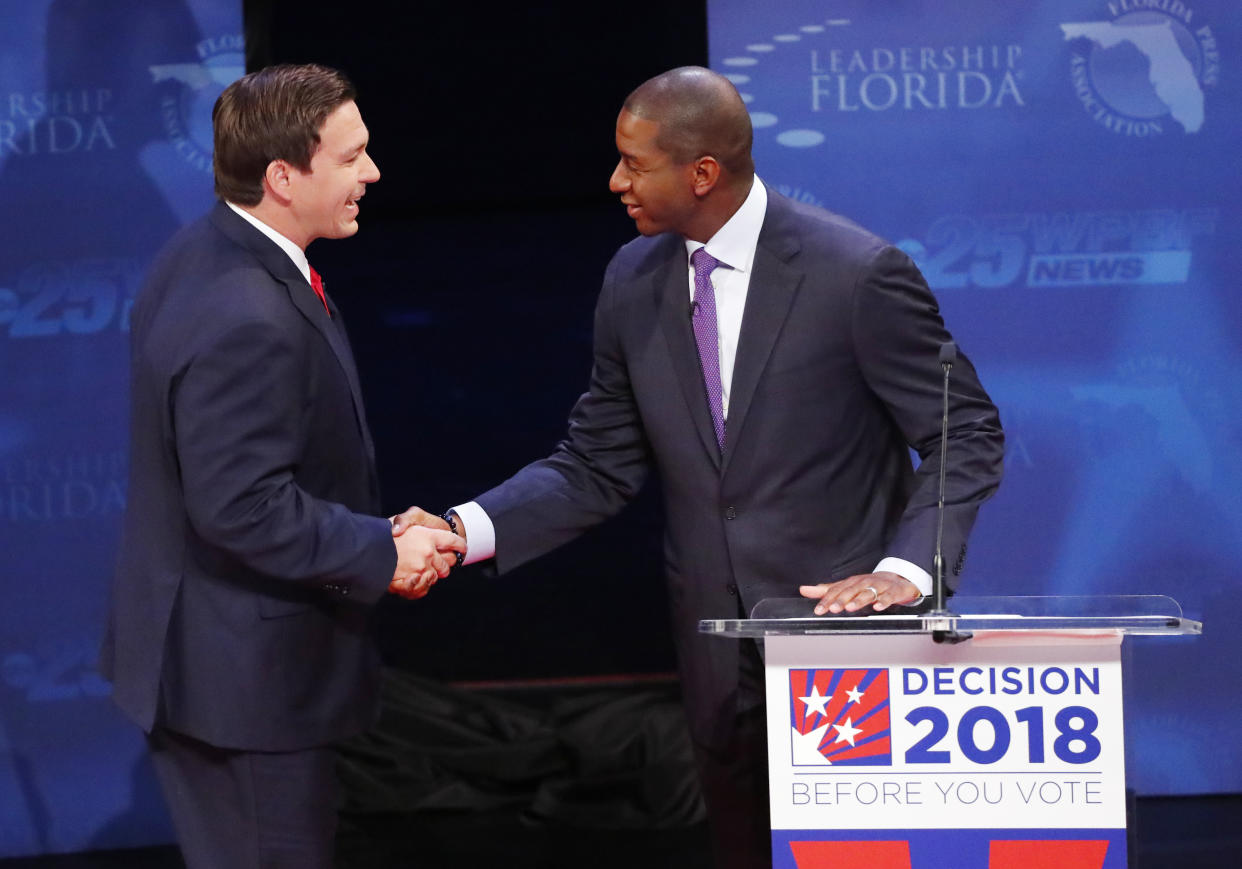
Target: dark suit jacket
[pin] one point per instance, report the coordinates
(238, 612)
(836, 376)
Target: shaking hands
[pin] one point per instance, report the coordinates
(425, 552)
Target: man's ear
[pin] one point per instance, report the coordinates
(706, 175)
(278, 180)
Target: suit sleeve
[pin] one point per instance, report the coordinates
(236, 412)
(897, 333)
(594, 472)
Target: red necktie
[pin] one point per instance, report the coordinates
(317, 284)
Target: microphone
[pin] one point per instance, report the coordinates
(694, 308)
(948, 355)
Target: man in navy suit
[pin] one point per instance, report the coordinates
(779, 424)
(237, 635)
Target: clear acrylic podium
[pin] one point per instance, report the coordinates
(990, 736)
(1144, 615)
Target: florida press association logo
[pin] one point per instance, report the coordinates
(1146, 69)
(1165, 408)
(840, 717)
(191, 92)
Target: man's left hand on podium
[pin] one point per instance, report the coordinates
(877, 590)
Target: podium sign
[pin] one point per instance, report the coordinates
(993, 751)
(887, 750)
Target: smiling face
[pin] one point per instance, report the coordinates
(657, 191)
(324, 201)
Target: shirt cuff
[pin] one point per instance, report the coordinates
(480, 532)
(905, 569)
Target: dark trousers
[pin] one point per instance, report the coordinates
(735, 777)
(245, 809)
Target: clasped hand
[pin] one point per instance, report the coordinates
(425, 547)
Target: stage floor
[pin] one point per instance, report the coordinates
(1173, 833)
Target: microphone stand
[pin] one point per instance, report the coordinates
(939, 614)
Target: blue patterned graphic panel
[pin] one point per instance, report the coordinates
(1065, 174)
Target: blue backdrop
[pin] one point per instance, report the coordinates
(1065, 173)
(1061, 170)
(105, 144)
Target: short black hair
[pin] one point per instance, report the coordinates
(700, 113)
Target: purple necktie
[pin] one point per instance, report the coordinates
(707, 337)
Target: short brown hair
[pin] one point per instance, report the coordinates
(273, 114)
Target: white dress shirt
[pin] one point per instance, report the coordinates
(734, 246)
(295, 253)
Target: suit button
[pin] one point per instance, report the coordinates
(730, 512)
(731, 589)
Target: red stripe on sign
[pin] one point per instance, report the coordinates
(1068, 854)
(851, 855)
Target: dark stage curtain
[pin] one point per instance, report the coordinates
(604, 758)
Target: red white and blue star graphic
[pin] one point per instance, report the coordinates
(840, 717)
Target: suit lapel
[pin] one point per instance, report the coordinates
(672, 290)
(773, 286)
(283, 270)
(338, 340)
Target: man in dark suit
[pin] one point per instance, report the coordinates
(237, 636)
(774, 364)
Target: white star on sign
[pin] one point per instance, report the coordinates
(816, 702)
(806, 747)
(855, 695)
(846, 732)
